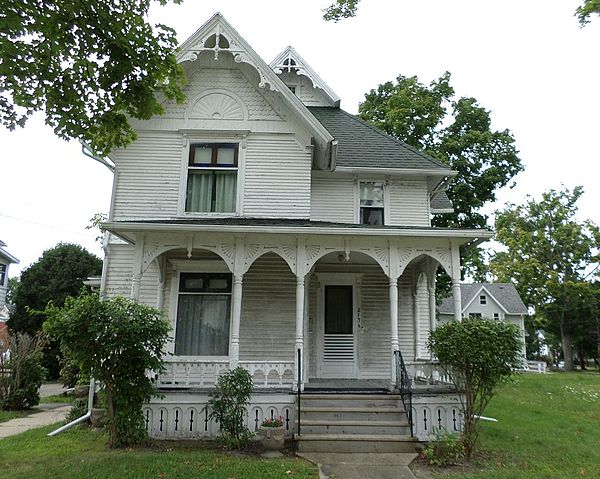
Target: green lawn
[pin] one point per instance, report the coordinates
(8, 415)
(548, 427)
(82, 453)
(61, 398)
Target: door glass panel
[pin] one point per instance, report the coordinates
(338, 310)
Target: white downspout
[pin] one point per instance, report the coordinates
(83, 418)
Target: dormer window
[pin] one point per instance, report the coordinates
(212, 178)
(371, 203)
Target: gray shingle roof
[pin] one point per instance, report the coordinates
(363, 145)
(504, 293)
(440, 201)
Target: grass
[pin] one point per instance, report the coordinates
(82, 452)
(60, 398)
(8, 415)
(547, 428)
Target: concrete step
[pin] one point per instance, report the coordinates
(352, 400)
(355, 427)
(351, 413)
(354, 443)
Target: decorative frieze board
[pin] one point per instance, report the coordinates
(392, 255)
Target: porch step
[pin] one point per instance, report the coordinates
(352, 400)
(354, 423)
(352, 413)
(364, 443)
(356, 427)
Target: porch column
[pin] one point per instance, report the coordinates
(456, 282)
(417, 320)
(394, 341)
(432, 306)
(299, 342)
(137, 268)
(234, 347)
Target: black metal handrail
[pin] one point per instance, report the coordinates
(404, 387)
(299, 386)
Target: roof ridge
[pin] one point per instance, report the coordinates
(396, 140)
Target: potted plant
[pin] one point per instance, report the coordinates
(271, 434)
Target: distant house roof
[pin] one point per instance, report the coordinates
(504, 293)
(6, 255)
(440, 203)
(361, 145)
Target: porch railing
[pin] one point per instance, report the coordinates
(203, 373)
(404, 387)
(427, 373)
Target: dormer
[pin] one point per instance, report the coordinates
(302, 80)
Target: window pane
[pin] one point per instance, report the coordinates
(226, 156)
(205, 283)
(371, 216)
(338, 310)
(199, 191)
(202, 154)
(371, 194)
(202, 325)
(225, 191)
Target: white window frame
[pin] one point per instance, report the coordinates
(241, 175)
(3, 274)
(195, 266)
(482, 299)
(475, 315)
(386, 197)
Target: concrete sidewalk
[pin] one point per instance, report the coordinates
(361, 466)
(38, 419)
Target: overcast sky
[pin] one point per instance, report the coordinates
(527, 61)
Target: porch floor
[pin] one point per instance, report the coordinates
(346, 386)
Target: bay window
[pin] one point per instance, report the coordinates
(203, 314)
(212, 178)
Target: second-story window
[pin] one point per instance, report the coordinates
(371, 203)
(482, 299)
(212, 178)
(3, 269)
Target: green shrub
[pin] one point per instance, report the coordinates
(20, 388)
(477, 354)
(227, 404)
(446, 449)
(78, 409)
(115, 341)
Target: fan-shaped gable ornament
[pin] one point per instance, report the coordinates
(217, 106)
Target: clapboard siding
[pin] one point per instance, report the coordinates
(267, 327)
(147, 177)
(277, 178)
(119, 271)
(332, 198)
(409, 203)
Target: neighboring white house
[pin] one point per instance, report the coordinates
(281, 234)
(499, 301)
(6, 259)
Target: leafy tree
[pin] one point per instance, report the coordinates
(548, 256)
(478, 354)
(58, 274)
(585, 11)
(347, 8)
(457, 132)
(89, 66)
(115, 341)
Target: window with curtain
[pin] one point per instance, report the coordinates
(212, 178)
(203, 312)
(371, 203)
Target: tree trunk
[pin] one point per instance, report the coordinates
(567, 347)
(112, 439)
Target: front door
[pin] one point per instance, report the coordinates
(338, 349)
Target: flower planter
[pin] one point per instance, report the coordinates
(271, 438)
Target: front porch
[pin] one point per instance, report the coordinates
(298, 307)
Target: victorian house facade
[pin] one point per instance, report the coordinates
(280, 234)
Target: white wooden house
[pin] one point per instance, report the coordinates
(6, 259)
(498, 301)
(281, 234)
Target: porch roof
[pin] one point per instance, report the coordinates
(290, 226)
